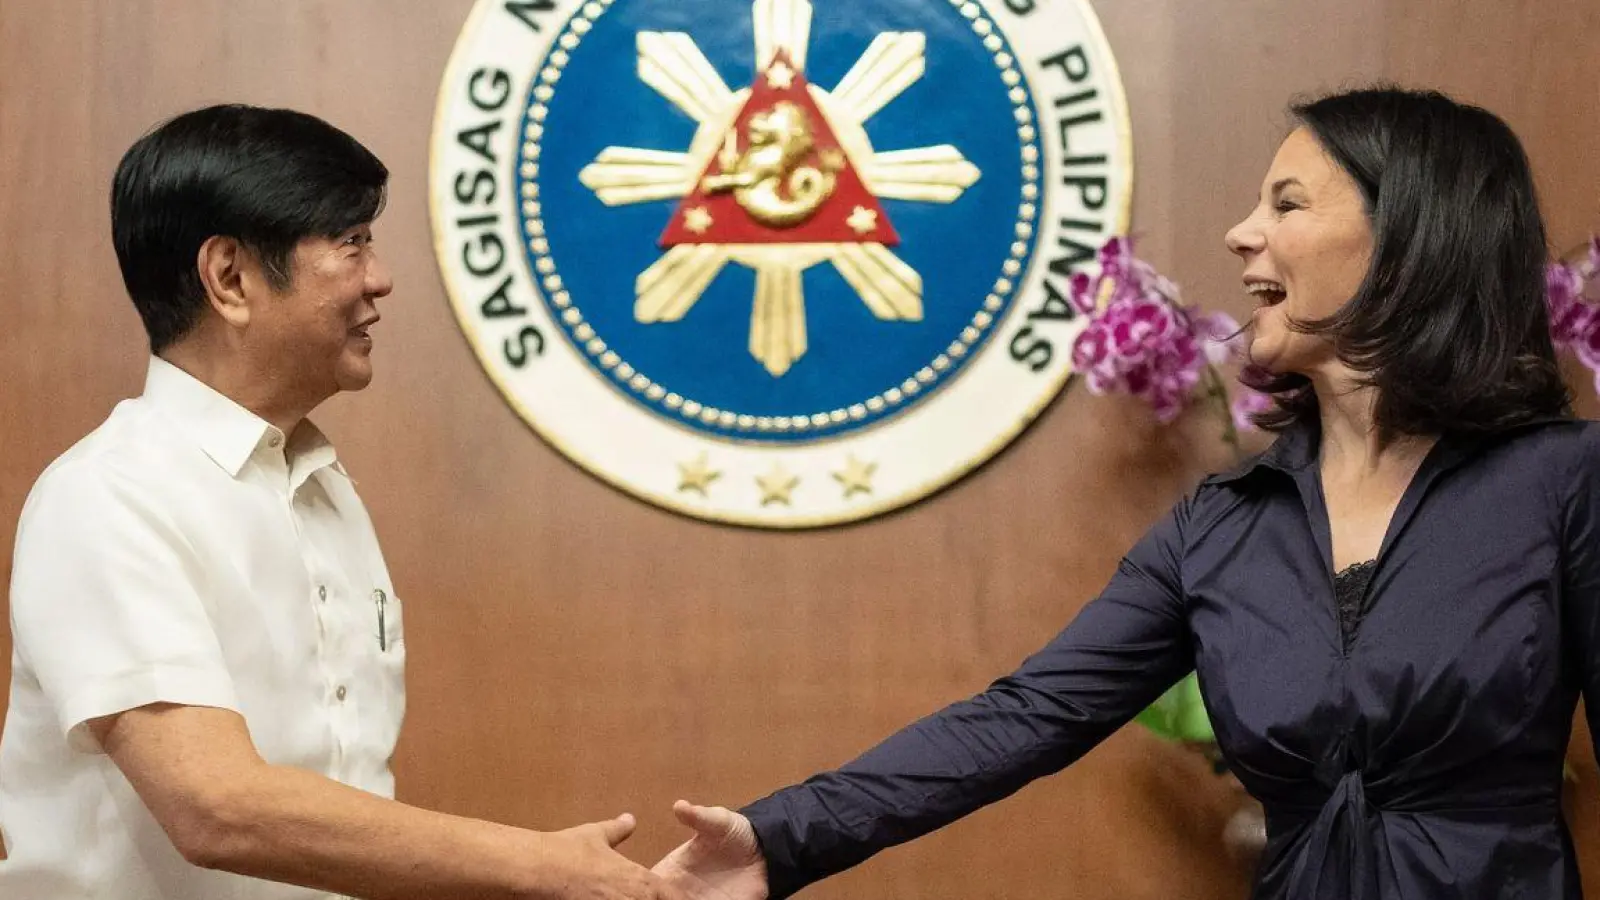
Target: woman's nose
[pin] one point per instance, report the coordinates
(1244, 238)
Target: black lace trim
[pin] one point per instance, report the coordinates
(1350, 594)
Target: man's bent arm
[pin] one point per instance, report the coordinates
(225, 808)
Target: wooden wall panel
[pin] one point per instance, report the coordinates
(1534, 64)
(574, 652)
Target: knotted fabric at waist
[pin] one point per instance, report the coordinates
(1341, 844)
(1350, 792)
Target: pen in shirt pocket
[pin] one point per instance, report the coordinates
(381, 599)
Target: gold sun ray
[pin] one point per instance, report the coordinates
(670, 287)
(622, 175)
(672, 63)
(927, 174)
(782, 25)
(891, 289)
(778, 322)
(892, 63)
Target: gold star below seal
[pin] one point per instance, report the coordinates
(856, 478)
(776, 487)
(696, 475)
(863, 220)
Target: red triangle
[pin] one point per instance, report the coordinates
(848, 214)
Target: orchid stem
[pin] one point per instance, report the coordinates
(1217, 390)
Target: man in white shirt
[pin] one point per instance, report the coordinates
(207, 680)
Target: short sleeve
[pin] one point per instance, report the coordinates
(106, 603)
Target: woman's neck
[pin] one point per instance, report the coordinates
(1353, 447)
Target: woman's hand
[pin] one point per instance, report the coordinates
(721, 862)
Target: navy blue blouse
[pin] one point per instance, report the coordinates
(1420, 758)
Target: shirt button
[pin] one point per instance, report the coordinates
(274, 441)
(341, 693)
(322, 592)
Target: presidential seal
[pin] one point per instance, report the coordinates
(781, 263)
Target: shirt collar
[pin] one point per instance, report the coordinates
(1297, 447)
(310, 450)
(1294, 449)
(226, 431)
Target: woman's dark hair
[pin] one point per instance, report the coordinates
(1450, 324)
(268, 177)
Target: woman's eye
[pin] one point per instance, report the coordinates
(1285, 206)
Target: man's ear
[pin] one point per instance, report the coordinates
(233, 278)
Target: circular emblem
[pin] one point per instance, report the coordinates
(784, 262)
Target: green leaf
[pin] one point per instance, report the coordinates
(1180, 714)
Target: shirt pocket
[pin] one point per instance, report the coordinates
(390, 622)
(389, 643)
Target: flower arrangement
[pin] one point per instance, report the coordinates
(1574, 307)
(1141, 339)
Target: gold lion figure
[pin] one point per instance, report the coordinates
(779, 138)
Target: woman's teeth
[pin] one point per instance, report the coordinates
(1267, 293)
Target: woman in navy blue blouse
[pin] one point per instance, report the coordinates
(1393, 611)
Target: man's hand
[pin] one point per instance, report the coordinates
(583, 864)
(225, 808)
(721, 862)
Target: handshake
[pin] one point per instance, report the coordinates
(722, 861)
